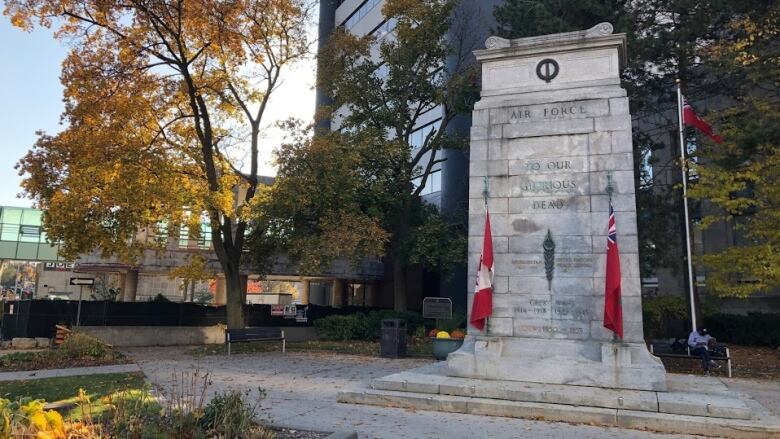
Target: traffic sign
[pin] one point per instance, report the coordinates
(82, 281)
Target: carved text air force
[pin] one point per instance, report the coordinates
(556, 111)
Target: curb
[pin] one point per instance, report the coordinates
(74, 371)
(342, 434)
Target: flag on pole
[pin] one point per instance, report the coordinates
(482, 307)
(613, 309)
(690, 118)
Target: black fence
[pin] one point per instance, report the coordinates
(37, 318)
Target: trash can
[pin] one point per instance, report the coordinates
(393, 338)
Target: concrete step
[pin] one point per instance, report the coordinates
(715, 403)
(763, 426)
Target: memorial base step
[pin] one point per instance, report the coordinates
(693, 405)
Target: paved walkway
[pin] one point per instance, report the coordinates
(302, 389)
(74, 371)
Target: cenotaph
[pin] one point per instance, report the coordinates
(552, 134)
(552, 137)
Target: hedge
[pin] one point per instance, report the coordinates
(754, 329)
(360, 326)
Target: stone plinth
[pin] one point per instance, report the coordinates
(691, 405)
(551, 130)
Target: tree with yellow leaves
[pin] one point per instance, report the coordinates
(741, 177)
(164, 102)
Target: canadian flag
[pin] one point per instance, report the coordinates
(482, 306)
(690, 118)
(613, 308)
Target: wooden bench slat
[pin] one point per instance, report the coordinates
(254, 334)
(666, 352)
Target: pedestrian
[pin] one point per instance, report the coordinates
(701, 343)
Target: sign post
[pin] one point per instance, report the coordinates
(81, 281)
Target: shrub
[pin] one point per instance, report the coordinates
(349, 327)
(134, 414)
(664, 316)
(457, 321)
(754, 329)
(27, 418)
(230, 414)
(80, 345)
(359, 326)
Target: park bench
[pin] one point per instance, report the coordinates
(680, 349)
(254, 334)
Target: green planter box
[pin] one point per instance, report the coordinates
(443, 346)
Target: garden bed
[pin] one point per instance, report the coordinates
(747, 362)
(124, 405)
(78, 350)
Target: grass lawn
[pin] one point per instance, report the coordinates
(415, 347)
(63, 391)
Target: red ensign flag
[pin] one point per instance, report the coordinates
(482, 307)
(690, 118)
(613, 309)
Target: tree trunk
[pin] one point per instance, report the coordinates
(401, 231)
(234, 297)
(399, 286)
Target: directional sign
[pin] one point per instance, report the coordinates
(82, 281)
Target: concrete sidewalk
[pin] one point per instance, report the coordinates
(303, 387)
(74, 371)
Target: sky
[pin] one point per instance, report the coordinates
(31, 100)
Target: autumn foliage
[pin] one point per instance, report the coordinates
(164, 103)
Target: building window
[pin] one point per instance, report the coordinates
(359, 13)
(418, 136)
(383, 29)
(432, 185)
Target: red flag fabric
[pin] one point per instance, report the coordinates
(613, 309)
(482, 307)
(690, 118)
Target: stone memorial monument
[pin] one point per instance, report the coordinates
(552, 134)
(552, 138)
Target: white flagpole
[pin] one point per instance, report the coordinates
(683, 167)
(485, 195)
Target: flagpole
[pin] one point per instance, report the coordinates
(485, 194)
(683, 167)
(610, 190)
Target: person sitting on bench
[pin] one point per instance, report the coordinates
(700, 341)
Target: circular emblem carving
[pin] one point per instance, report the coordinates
(547, 69)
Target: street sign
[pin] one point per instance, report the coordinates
(437, 308)
(82, 281)
(300, 316)
(58, 266)
(290, 311)
(277, 310)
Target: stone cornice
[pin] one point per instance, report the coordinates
(599, 35)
